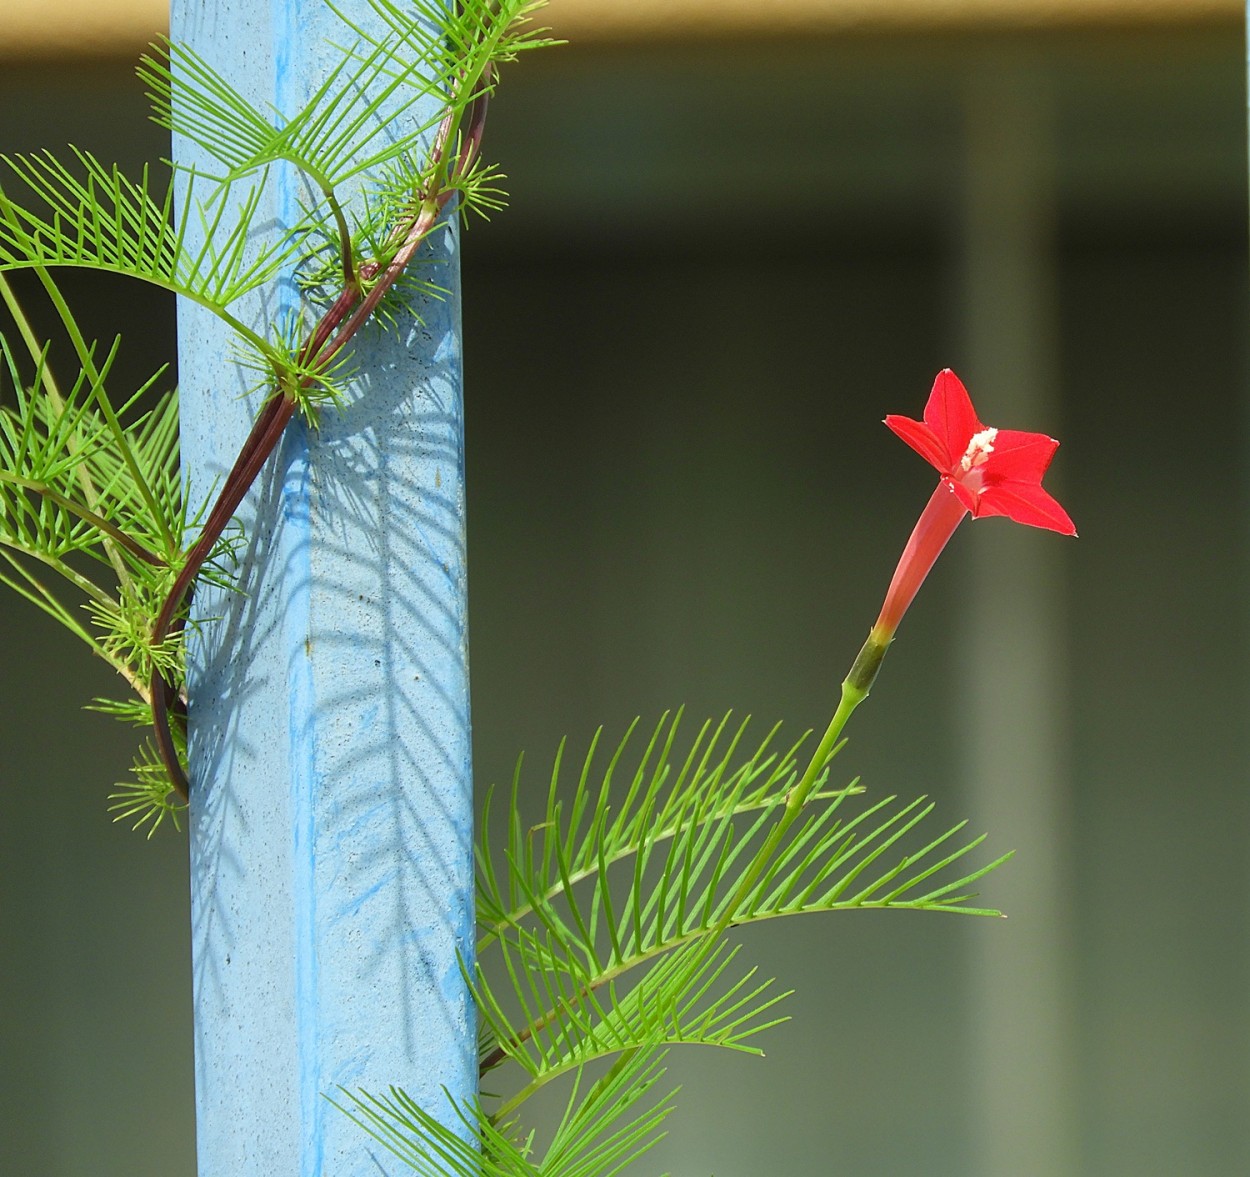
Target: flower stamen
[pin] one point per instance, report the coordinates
(980, 446)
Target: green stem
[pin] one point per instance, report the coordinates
(492, 930)
(111, 530)
(624, 964)
(263, 347)
(504, 1110)
(106, 409)
(336, 211)
(90, 493)
(39, 596)
(855, 689)
(32, 343)
(87, 587)
(350, 281)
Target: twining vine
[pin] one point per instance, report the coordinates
(453, 155)
(604, 924)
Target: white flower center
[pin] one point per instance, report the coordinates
(978, 451)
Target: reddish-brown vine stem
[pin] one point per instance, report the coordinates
(348, 313)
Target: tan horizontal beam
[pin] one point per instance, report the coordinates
(639, 19)
(76, 28)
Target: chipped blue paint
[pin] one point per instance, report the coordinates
(331, 813)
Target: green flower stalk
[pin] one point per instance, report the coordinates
(984, 471)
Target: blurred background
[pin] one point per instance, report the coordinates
(739, 235)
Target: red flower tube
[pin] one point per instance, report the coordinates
(943, 513)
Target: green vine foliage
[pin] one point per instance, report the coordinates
(604, 920)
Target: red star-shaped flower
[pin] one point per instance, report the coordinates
(984, 471)
(992, 471)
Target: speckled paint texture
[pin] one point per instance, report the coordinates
(331, 825)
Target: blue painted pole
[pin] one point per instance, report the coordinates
(331, 827)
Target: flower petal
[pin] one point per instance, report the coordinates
(1024, 502)
(1019, 456)
(1002, 475)
(922, 439)
(964, 493)
(949, 413)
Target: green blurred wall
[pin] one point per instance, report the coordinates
(722, 266)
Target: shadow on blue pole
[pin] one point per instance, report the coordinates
(331, 805)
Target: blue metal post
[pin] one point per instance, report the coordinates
(331, 827)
